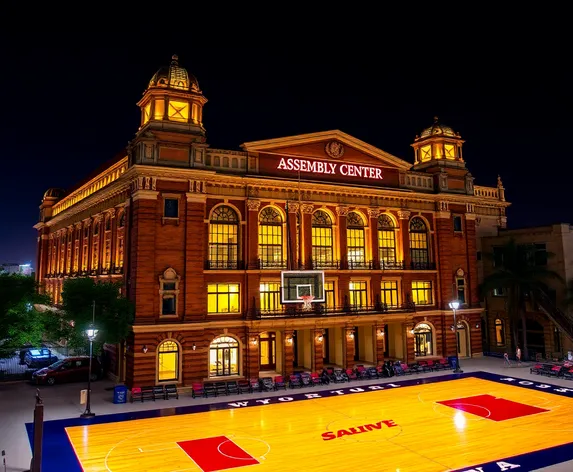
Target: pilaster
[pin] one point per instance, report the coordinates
(380, 341)
(252, 357)
(293, 209)
(318, 351)
(342, 212)
(195, 290)
(407, 330)
(306, 239)
(349, 351)
(252, 231)
(373, 214)
(404, 220)
(287, 367)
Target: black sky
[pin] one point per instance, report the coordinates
(69, 107)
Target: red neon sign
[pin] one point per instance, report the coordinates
(334, 168)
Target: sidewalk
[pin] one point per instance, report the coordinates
(63, 401)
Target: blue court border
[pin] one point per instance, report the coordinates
(58, 453)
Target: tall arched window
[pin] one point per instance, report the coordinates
(224, 357)
(271, 238)
(168, 361)
(499, 332)
(423, 343)
(355, 245)
(223, 239)
(322, 252)
(419, 247)
(386, 241)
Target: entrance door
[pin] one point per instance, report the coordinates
(463, 338)
(267, 343)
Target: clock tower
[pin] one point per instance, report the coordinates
(438, 151)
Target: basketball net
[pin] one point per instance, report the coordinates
(307, 302)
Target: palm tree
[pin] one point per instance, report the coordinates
(516, 272)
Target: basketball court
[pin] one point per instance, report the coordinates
(469, 422)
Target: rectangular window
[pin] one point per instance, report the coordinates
(329, 295)
(422, 292)
(499, 292)
(355, 247)
(270, 296)
(499, 333)
(271, 245)
(389, 294)
(178, 111)
(171, 208)
(223, 298)
(159, 109)
(358, 294)
(458, 224)
(461, 290)
(322, 245)
(387, 246)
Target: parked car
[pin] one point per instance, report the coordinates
(39, 357)
(70, 369)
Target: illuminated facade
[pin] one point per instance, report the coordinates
(200, 237)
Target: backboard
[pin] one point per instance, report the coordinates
(296, 284)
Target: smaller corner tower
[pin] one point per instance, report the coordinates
(438, 151)
(171, 132)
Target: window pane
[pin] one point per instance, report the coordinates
(168, 367)
(171, 208)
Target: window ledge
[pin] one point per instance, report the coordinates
(165, 220)
(162, 316)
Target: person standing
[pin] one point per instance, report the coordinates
(506, 359)
(518, 355)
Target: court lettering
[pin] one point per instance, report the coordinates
(366, 428)
(528, 383)
(502, 467)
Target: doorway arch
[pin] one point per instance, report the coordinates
(464, 339)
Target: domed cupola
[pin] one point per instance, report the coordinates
(54, 194)
(176, 77)
(437, 143)
(173, 100)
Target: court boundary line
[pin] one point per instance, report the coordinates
(63, 452)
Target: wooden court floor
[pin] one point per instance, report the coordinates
(394, 429)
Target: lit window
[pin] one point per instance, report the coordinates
(422, 292)
(355, 242)
(146, 113)
(178, 111)
(159, 109)
(322, 244)
(329, 294)
(386, 241)
(224, 357)
(223, 238)
(389, 293)
(450, 151)
(499, 332)
(423, 345)
(270, 296)
(168, 361)
(358, 294)
(223, 298)
(271, 238)
(419, 248)
(426, 153)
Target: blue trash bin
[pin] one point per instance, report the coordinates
(120, 394)
(453, 362)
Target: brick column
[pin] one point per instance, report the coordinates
(42, 256)
(380, 340)
(195, 290)
(443, 233)
(253, 234)
(348, 357)
(252, 357)
(472, 275)
(404, 217)
(293, 209)
(317, 357)
(342, 213)
(287, 367)
(113, 241)
(374, 213)
(306, 237)
(409, 337)
(144, 290)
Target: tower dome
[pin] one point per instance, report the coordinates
(54, 194)
(174, 77)
(438, 129)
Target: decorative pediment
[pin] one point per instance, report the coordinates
(333, 146)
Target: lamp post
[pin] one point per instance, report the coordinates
(454, 306)
(91, 333)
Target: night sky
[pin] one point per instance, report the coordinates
(70, 108)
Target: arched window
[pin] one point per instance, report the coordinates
(386, 241)
(419, 248)
(224, 357)
(423, 343)
(355, 245)
(271, 238)
(223, 238)
(499, 332)
(322, 252)
(168, 361)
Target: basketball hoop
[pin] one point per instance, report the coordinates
(307, 302)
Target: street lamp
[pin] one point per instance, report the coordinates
(454, 306)
(91, 333)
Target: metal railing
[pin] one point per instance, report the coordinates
(319, 309)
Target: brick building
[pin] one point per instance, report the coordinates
(200, 237)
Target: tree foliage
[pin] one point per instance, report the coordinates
(112, 316)
(20, 323)
(521, 276)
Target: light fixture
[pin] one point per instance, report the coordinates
(319, 338)
(288, 339)
(380, 333)
(193, 347)
(91, 333)
(144, 349)
(477, 325)
(351, 333)
(254, 341)
(454, 305)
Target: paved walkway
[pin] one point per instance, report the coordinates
(63, 401)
